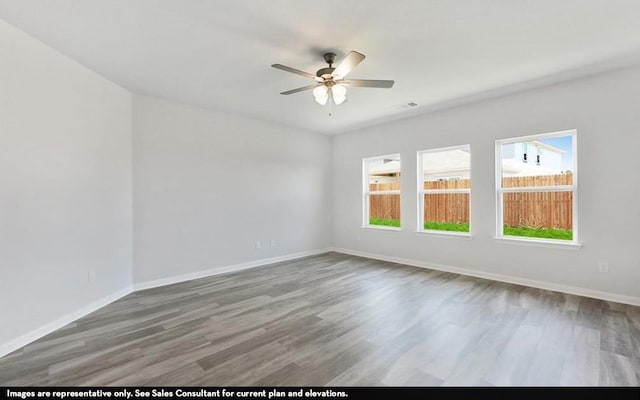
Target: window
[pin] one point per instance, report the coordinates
(538, 200)
(381, 188)
(444, 189)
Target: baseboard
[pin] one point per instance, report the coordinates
(37, 333)
(43, 330)
(596, 294)
(226, 269)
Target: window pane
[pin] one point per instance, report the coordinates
(542, 162)
(384, 210)
(446, 169)
(384, 174)
(446, 212)
(547, 215)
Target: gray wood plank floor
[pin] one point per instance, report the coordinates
(335, 319)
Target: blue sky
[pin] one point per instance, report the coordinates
(564, 143)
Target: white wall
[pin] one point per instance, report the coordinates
(208, 185)
(604, 110)
(65, 186)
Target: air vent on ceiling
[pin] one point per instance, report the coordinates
(406, 106)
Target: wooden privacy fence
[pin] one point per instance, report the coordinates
(540, 180)
(385, 206)
(530, 209)
(538, 209)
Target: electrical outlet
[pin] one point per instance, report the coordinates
(273, 243)
(91, 276)
(603, 266)
(258, 245)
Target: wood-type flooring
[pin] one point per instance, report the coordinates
(335, 319)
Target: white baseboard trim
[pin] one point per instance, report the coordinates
(37, 333)
(21, 341)
(596, 294)
(226, 269)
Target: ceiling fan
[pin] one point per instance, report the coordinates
(330, 82)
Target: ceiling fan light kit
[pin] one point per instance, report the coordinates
(321, 94)
(338, 93)
(330, 83)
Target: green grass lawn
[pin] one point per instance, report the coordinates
(447, 226)
(542, 233)
(384, 222)
(440, 226)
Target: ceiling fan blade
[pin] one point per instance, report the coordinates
(300, 89)
(367, 83)
(294, 71)
(350, 62)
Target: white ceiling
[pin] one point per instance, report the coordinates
(218, 53)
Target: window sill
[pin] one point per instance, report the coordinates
(446, 234)
(382, 228)
(550, 243)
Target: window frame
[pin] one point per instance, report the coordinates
(422, 191)
(366, 192)
(499, 190)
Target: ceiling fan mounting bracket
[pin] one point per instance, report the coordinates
(325, 73)
(330, 58)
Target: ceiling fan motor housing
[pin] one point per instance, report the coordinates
(325, 72)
